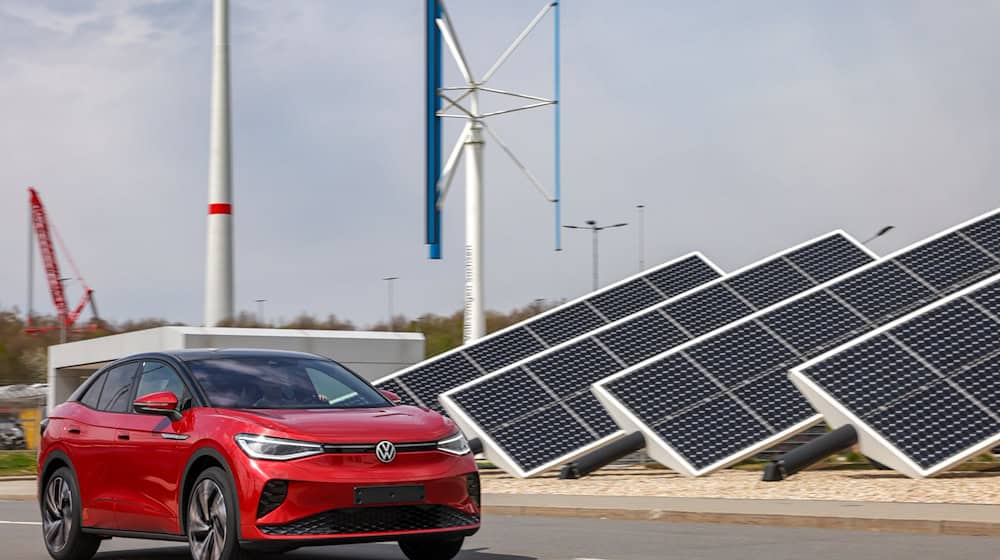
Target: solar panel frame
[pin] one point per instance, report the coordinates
(872, 443)
(393, 383)
(496, 452)
(662, 452)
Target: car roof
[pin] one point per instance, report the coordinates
(192, 354)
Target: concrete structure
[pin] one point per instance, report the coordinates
(370, 354)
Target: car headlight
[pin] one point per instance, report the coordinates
(276, 449)
(456, 444)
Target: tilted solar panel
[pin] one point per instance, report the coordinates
(736, 400)
(539, 412)
(422, 383)
(923, 392)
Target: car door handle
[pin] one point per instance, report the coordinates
(123, 436)
(74, 431)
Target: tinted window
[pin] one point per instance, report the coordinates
(280, 382)
(118, 388)
(157, 377)
(93, 394)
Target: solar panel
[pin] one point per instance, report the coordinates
(923, 392)
(738, 398)
(422, 383)
(539, 412)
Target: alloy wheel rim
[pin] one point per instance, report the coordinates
(57, 517)
(207, 521)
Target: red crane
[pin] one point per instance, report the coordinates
(45, 236)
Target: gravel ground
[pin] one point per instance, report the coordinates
(869, 486)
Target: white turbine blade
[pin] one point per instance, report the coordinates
(448, 34)
(448, 173)
(517, 162)
(517, 42)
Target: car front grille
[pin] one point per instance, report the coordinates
(375, 520)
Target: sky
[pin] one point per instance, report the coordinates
(743, 127)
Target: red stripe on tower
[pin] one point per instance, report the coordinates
(220, 208)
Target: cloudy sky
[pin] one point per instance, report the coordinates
(744, 127)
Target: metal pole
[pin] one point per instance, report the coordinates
(389, 299)
(596, 282)
(31, 266)
(475, 318)
(642, 240)
(219, 243)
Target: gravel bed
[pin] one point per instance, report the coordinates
(853, 485)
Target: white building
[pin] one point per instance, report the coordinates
(370, 354)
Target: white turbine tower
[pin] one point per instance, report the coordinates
(470, 146)
(219, 238)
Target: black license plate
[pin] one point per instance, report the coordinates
(368, 495)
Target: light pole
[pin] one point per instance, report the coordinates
(642, 236)
(593, 227)
(879, 233)
(63, 318)
(260, 310)
(388, 284)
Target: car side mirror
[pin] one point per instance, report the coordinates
(393, 397)
(162, 403)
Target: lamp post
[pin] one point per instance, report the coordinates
(595, 229)
(388, 283)
(642, 237)
(260, 310)
(879, 233)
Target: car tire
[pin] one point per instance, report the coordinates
(61, 510)
(431, 549)
(211, 517)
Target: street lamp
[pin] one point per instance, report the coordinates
(642, 237)
(388, 284)
(593, 227)
(878, 234)
(260, 310)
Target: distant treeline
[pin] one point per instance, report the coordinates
(23, 356)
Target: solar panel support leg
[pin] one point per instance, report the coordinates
(603, 456)
(476, 445)
(810, 453)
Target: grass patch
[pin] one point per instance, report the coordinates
(17, 463)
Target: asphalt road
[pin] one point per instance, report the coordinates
(559, 538)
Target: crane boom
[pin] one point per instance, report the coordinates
(45, 246)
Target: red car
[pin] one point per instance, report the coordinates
(252, 451)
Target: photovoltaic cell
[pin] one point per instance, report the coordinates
(564, 373)
(748, 360)
(923, 389)
(421, 384)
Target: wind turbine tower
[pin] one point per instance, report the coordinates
(462, 102)
(219, 240)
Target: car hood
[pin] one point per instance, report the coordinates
(399, 424)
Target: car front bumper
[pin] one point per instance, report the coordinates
(316, 501)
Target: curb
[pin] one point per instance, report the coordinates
(912, 526)
(18, 478)
(17, 498)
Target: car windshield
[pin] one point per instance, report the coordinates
(282, 382)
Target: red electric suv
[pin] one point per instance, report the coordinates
(252, 451)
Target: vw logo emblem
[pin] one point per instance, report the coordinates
(385, 451)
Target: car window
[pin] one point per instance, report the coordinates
(157, 377)
(118, 388)
(282, 382)
(93, 394)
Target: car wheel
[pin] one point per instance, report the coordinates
(431, 549)
(61, 514)
(211, 517)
